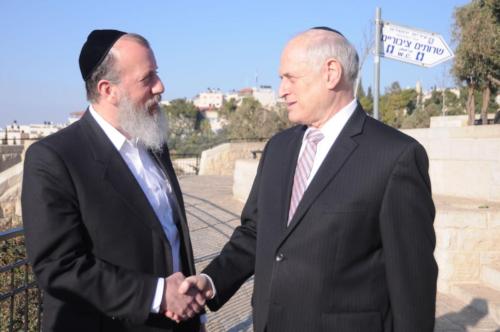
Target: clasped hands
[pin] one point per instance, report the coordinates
(183, 298)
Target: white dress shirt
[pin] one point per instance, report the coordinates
(155, 186)
(331, 130)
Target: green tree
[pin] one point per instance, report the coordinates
(251, 121)
(421, 117)
(395, 87)
(189, 132)
(477, 56)
(367, 101)
(201, 139)
(228, 107)
(182, 118)
(435, 98)
(361, 91)
(396, 104)
(454, 105)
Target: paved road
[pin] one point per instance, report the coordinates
(212, 215)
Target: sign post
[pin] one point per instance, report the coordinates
(415, 46)
(378, 28)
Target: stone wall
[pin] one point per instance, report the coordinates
(244, 174)
(449, 121)
(467, 235)
(464, 162)
(221, 159)
(11, 173)
(10, 155)
(10, 194)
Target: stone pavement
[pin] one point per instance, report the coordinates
(212, 215)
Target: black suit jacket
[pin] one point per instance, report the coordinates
(95, 243)
(358, 255)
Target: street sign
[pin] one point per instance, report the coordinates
(411, 45)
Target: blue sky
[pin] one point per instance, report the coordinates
(198, 44)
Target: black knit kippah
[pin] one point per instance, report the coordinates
(327, 29)
(95, 49)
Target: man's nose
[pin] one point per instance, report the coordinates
(158, 88)
(283, 89)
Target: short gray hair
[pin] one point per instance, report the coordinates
(323, 45)
(107, 69)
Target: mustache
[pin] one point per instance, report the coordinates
(155, 101)
(152, 106)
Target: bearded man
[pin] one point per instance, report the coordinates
(104, 217)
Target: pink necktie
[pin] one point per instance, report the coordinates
(303, 169)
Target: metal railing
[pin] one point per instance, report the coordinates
(185, 164)
(20, 298)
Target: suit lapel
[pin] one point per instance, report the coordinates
(117, 173)
(339, 153)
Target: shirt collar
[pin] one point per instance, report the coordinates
(337, 121)
(117, 138)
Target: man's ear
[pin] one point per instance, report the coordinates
(107, 91)
(333, 73)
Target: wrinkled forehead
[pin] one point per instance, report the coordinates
(295, 49)
(294, 61)
(134, 57)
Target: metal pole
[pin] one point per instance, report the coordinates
(376, 96)
(444, 101)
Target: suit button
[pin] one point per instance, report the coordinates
(280, 257)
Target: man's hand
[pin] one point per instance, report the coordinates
(198, 282)
(196, 287)
(180, 305)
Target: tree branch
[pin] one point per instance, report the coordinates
(493, 79)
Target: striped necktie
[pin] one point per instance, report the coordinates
(303, 169)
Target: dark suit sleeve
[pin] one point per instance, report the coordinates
(406, 222)
(60, 250)
(236, 262)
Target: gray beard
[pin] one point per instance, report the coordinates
(136, 121)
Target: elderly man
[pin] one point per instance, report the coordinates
(338, 227)
(105, 224)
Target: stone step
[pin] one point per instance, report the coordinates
(456, 214)
(482, 298)
(460, 203)
(490, 275)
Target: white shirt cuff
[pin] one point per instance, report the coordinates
(160, 286)
(211, 284)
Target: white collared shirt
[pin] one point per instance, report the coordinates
(331, 130)
(155, 186)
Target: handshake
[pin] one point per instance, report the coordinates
(183, 298)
